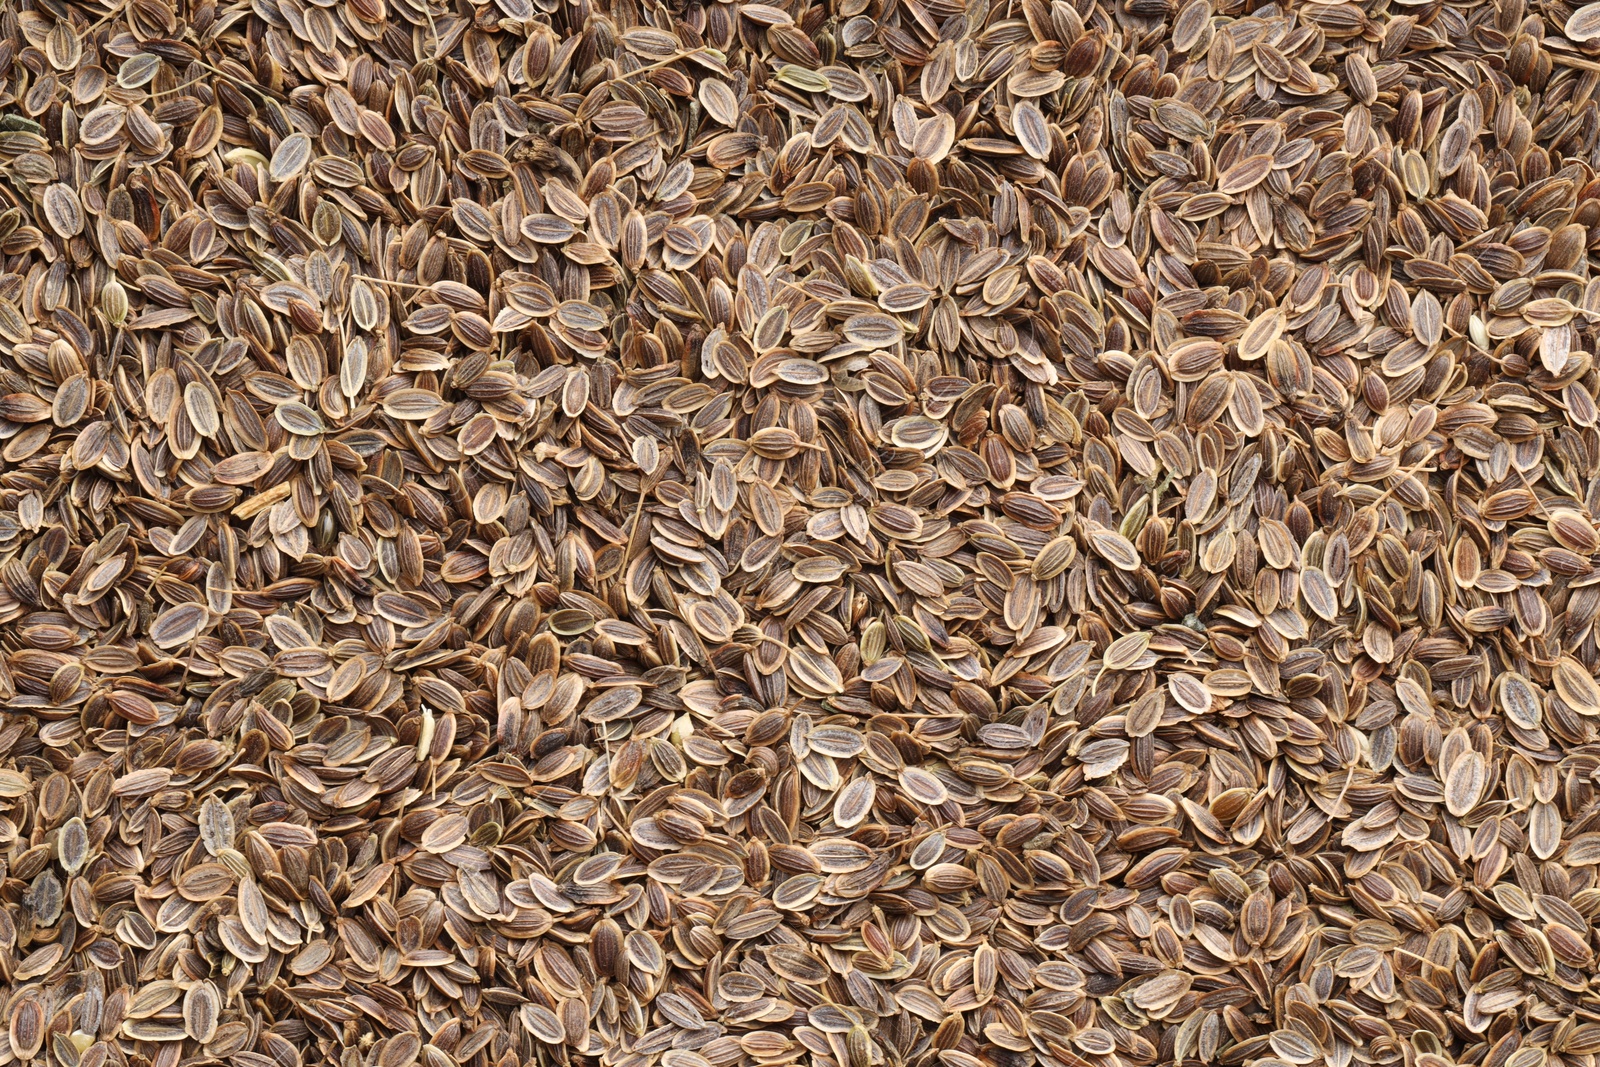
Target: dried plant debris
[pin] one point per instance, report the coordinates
(877, 532)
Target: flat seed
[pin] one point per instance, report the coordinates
(290, 157)
(1032, 131)
(1584, 23)
(63, 211)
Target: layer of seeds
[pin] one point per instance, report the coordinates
(867, 533)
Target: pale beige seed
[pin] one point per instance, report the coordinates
(1583, 851)
(202, 409)
(840, 742)
(412, 404)
(178, 625)
(1053, 559)
(1033, 133)
(1259, 337)
(1584, 23)
(813, 672)
(102, 124)
(719, 101)
(1115, 549)
(854, 802)
(575, 394)
(1192, 22)
(1145, 714)
(1520, 700)
(922, 787)
(444, 834)
(299, 419)
(934, 138)
(546, 229)
(205, 882)
(820, 569)
(1319, 594)
(1126, 651)
(797, 893)
(290, 157)
(71, 401)
(253, 914)
(1244, 175)
(353, 368)
(1575, 685)
(27, 1028)
(1544, 830)
(138, 70)
(201, 1009)
(541, 1023)
(62, 210)
(401, 1050)
(72, 846)
(1464, 783)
